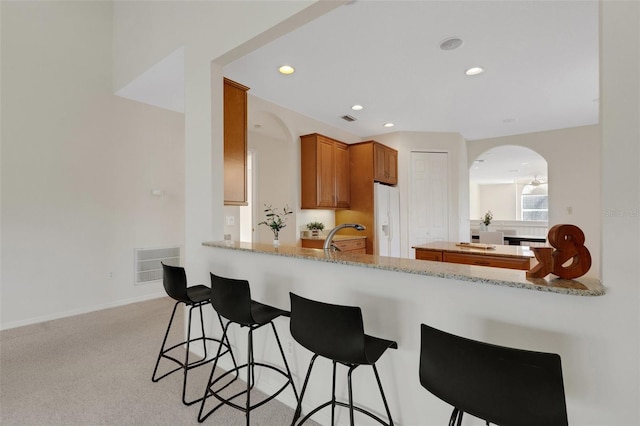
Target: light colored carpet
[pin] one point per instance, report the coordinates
(95, 369)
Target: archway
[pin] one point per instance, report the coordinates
(512, 182)
(269, 143)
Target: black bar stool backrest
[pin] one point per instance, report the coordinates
(231, 298)
(332, 331)
(174, 279)
(501, 385)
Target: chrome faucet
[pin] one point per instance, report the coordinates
(328, 242)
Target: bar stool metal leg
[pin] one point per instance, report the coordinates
(384, 400)
(164, 342)
(333, 395)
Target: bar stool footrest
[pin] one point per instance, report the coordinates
(194, 364)
(346, 405)
(228, 401)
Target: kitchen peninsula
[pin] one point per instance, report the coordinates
(396, 295)
(583, 286)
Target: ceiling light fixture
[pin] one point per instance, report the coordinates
(450, 43)
(357, 107)
(474, 71)
(389, 124)
(286, 69)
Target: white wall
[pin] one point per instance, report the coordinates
(500, 199)
(574, 166)
(620, 148)
(78, 167)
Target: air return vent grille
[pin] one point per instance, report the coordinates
(147, 263)
(348, 118)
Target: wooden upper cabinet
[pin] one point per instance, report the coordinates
(385, 164)
(235, 143)
(324, 172)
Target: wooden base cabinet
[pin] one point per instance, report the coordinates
(356, 245)
(508, 262)
(324, 173)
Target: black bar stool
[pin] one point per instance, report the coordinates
(175, 284)
(232, 299)
(497, 384)
(337, 333)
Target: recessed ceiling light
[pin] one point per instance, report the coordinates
(450, 43)
(389, 124)
(286, 69)
(357, 107)
(474, 71)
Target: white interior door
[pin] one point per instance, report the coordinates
(429, 203)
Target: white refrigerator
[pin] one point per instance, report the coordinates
(387, 220)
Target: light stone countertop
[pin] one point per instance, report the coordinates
(583, 286)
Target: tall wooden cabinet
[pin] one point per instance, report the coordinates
(370, 162)
(324, 173)
(235, 143)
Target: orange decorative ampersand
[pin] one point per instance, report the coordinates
(568, 241)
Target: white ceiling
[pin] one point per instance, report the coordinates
(540, 57)
(541, 62)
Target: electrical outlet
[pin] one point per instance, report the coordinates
(230, 220)
(290, 346)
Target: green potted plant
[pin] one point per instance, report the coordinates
(315, 228)
(486, 219)
(276, 220)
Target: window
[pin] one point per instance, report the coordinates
(535, 207)
(535, 202)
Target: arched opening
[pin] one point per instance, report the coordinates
(511, 182)
(273, 172)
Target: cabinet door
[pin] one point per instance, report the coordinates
(433, 255)
(385, 167)
(235, 144)
(483, 260)
(378, 163)
(391, 166)
(342, 183)
(326, 190)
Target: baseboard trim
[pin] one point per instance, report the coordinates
(36, 320)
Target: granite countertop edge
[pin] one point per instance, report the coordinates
(469, 273)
